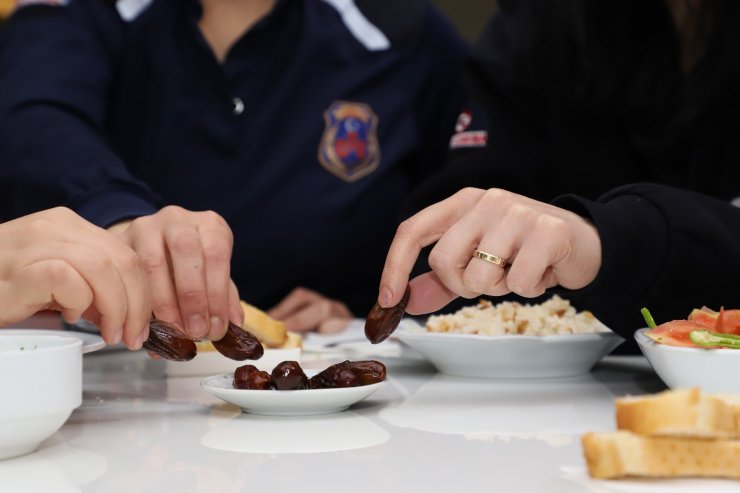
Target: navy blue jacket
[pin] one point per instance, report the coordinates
(306, 139)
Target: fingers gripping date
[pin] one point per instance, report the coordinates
(167, 341)
(381, 322)
(239, 344)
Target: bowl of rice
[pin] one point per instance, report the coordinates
(513, 340)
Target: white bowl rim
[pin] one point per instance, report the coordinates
(508, 337)
(68, 342)
(644, 340)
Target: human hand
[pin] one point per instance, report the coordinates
(304, 310)
(56, 260)
(543, 245)
(188, 258)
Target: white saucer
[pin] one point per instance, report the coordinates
(287, 402)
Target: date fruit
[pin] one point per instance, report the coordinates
(381, 322)
(369, 372)
(248, 377)
(288, 375)
(336, 376)
(166, 340)
(238, 344)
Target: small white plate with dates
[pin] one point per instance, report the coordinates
(288, 402)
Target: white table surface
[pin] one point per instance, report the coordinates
(140, 431)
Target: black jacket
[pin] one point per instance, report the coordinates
(667, 249)
(547, 118)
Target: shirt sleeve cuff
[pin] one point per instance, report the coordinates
(635, 240)
(112, 207)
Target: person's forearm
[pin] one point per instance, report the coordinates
(52, 157)
(670, 250)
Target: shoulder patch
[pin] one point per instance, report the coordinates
(466, 135)
(361, 28)
(349, 147)
(130, 9)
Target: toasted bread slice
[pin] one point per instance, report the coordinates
(294, 339)
(687, 412)
(270, 332)
(624, 454)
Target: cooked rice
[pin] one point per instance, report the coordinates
(554, 316)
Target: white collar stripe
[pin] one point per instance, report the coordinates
(130, 9)
(361, 28)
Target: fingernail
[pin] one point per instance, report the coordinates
(385, 297)
(197, 325)
(217, 324)
(117, 336)
(143, 336)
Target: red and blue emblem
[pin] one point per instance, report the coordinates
(349, 147)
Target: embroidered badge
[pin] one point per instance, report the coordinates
(465, 136)
(349, 147)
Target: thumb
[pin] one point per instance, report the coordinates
(428, 294)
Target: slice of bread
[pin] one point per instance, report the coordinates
(270, 332)
(625, 454)
(294, 339)
(689, 413)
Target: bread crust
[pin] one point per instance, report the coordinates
(688, 412)
(270, 332)
(624, 454)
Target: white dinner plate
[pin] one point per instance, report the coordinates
(287, 402)
(90, 342)
(510, 356)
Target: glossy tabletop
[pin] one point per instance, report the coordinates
(139, 430)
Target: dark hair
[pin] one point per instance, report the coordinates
(621, 59)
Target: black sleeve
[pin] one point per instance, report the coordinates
(441, 51)
(504, 120)
(58, 67)
(663, 248)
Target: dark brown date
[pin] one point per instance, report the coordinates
(238, 344)
(248, 377)
(369, 372)
(166, 340)
(381, 322)
(289, 375)
(336, 376)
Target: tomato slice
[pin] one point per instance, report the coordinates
(728, 322)
(676, 333)
(724, 321)
(704, 316)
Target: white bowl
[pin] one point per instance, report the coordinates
(712, 370)
(511, 356)
(41, 382)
